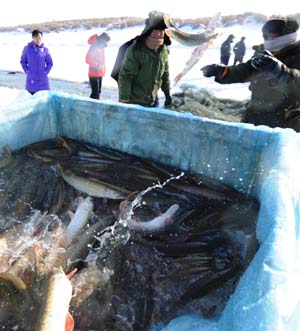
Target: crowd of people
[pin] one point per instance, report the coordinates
(142, 69)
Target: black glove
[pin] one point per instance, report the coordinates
(212, 70)
(266, 62)
(168, 101)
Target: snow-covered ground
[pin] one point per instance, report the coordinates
(68, 49)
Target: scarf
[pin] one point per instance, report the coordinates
(279, 43)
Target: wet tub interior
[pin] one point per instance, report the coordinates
(258, 161)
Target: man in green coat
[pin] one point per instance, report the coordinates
(145, 68)
(274, 76)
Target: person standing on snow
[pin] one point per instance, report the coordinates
(36, 62)
(274, 76)
(95, 58)
(145, 68)
(239, 50)
(226, 49)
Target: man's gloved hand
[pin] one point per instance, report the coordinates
(168, 101)
(266, 62)
(212, 70)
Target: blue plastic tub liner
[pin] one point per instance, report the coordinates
(259, 161)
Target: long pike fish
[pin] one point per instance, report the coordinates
(188, 39)
(198, 52)
(92, 187)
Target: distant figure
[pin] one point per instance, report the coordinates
(226, 49)
(145, 68)
(239, 50)
(95, 58)
(36, 62)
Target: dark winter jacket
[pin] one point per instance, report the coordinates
(36, 62)
(239, 49)
(226, 47)
(119, 60)
(275, 100)
(121, 55)
(143, 73)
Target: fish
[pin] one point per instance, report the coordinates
(49, 150)
(93, 188)
(174, 249)
(79, 220)
(204, 284)
(55, 310)
(59, 195)
(69, 146)
(203, 192)
(58, 254)
(18, 283)
(42, 158)
(198, 52)
(132, 267)
(156, 223)
(183, 274)
(188, 39)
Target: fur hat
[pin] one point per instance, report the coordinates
(280, 26)
(155, 20)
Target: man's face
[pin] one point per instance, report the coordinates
(157, 34)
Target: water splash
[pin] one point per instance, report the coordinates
(139, 198)
(118, 233)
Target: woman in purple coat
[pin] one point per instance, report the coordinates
(36, 62)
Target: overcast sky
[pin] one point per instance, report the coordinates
(31, 11)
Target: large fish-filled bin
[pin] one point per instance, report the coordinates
(260, 162)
